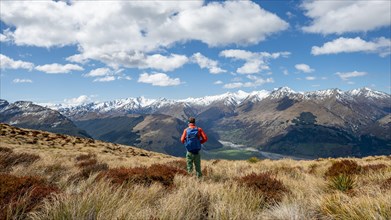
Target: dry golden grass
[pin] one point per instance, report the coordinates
(218, 195)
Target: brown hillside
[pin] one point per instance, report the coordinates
(50, 176)
(52, 145)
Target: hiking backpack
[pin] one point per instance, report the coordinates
(192, 143)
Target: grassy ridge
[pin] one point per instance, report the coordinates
(97, 182)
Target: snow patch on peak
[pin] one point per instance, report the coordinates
(128, 103)
(228, 98)
(23, 104)
(368, 93)
(281, 92)
(323, 93)
(241, 94)
(256, 96)
(284, 89)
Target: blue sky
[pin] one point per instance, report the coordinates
(75, 52)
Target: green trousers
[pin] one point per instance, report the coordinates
(196, 159)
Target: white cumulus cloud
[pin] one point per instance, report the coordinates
(222, 23)
(204, 62)
(158, 79)
(42, 24)
(165, 63)
(22, 81)
(98, 72)
(137, 59)
(3, 38)
(105, 74)
(128, 33)
(381, 45)
(255, 62)
(310, 78)
(304, 68)
(77, 101)
(329, 17)
(254, 82)
(218, 82)
(233, 85)
(104, 79)
(56, 68)
(348, 75)
(9, 63)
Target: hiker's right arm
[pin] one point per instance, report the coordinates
(203, 135)
(183, 136)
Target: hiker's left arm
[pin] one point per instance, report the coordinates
(203, 135)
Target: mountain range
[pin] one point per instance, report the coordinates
(326, 123)
(26, 114)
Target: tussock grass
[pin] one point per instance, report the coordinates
(342, 183)
(347, 167)
(8, 159)
(20, 195)
(270, 189)
(116, 182)
(253, 160)
(342, 206)
(5, 150)
(219, 195)
(156, 173)
(386, 185)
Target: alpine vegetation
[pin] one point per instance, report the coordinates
(83, 179)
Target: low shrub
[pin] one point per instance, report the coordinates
(5, 150)
(22, 133)
(253, 160)
(312, 168)
(88, 167)
(181, 164)
(386, 184)
(34, 133)
(270, 188)
(160, 173)
(342, 182)
(85, 157)
(87, 163)
(374, 167)
(214, 162)
(206, 171)
(78, 141)
(10, 159)
(122, 175)
(55, 172)
(21, 195)
(95, 168)
(163, 173)
(347, 167)
(294, 172)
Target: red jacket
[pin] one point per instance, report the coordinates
(201, 134)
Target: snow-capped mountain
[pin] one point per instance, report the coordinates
(142, 105)
(28, 115)
(314, 124)
(229, 98)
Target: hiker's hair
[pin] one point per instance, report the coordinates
(192, 120)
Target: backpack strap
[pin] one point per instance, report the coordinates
(187, 133)
(188, 129)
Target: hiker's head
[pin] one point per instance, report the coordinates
(192, 120)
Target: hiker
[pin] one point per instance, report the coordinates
(193, 137)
